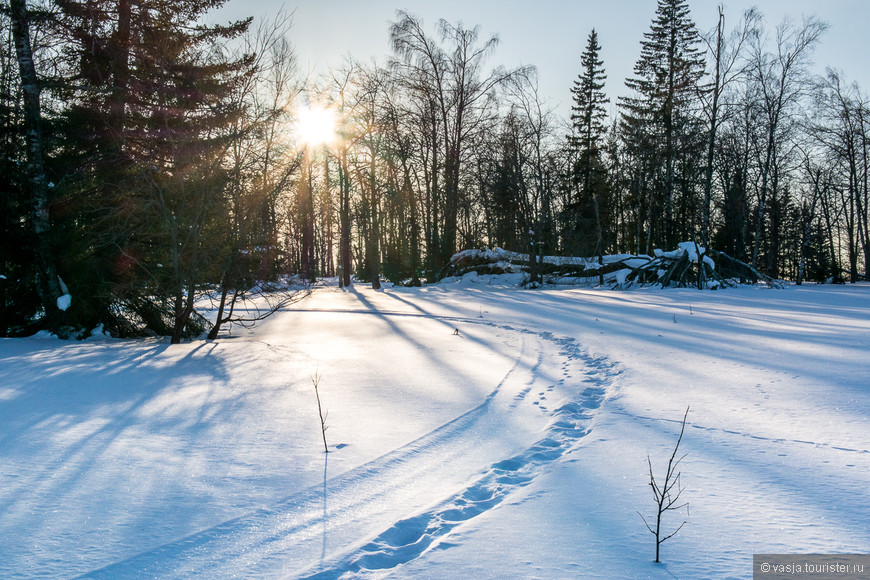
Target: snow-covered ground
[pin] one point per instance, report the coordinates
(516, 447)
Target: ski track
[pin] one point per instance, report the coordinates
(748, 435)
(411, 537)
(288, 536)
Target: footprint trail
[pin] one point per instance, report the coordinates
(411, 537)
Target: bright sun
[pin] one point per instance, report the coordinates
(315, 125)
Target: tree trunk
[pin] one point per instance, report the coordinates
(600, 238)
(120, 73)
(415, 226)
(711, 140)
(451, 208)
(183, 311)
(48, 285)
(346, 257)
(865, 192)
(219, 319)
(308, 226)
(762, 196)
(808, 224)
(373, 245)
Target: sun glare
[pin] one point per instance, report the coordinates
(315, 125)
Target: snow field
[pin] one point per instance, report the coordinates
(516, 448)
(777, 441)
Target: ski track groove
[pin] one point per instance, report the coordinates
(743, 434)
(263, 540)
(411, 537)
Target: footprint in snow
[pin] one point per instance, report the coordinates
(410, 537)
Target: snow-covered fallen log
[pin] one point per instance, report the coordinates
(499, 261)
(689, 265)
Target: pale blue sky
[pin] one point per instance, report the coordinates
(551, 34)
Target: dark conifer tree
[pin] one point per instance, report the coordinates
(668, 72)
(589, 125)
(150, 129)
(588, 112)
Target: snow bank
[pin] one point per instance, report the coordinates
(475, 429)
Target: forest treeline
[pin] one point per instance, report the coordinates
(148, 158)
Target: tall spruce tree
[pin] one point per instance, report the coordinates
(588, 112)
(589, 125)
(152, 124)
(662, 109)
